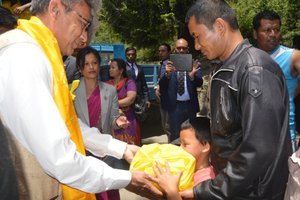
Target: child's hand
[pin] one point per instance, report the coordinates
(168, 182)
(187, 194)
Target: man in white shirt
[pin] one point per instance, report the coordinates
(44, 152)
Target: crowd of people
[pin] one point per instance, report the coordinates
(62, 145)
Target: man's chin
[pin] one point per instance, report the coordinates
(273, 46)
(78, 49)
(68, 53)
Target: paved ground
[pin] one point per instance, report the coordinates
(126, 195)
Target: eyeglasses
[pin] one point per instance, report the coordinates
(181, 48)
(85, 23)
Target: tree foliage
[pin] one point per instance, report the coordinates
(141, 23)
(147, 23)
(287, 9)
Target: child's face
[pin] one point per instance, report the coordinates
(190, 143)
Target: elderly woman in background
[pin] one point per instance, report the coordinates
(126, 90)
(96, 102)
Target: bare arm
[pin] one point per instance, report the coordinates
(128, 100)
(20, 9)
(295, 63)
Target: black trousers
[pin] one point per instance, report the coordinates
(8, 179)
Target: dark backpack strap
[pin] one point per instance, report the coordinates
(126, 84)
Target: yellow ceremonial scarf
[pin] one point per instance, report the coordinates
(61, 95)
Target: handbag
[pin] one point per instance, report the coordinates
(140, 109)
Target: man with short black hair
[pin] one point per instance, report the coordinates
(266, 32)
(164, 52)
(136, 73)
(249, 110)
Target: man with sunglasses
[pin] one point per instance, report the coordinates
(180, 87)
(46, 138)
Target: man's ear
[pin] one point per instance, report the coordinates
(53, 8)
(220, 26)
(254, 34)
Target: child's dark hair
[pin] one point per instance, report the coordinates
(201, 126)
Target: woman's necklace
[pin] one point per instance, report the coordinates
(116, 81)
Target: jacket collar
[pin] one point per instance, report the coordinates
(229, 63)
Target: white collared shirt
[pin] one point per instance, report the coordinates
(28, 109)
(129, 66)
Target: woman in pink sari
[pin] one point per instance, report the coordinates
(126, 90)
(96, 102)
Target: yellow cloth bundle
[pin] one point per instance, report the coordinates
(178, 159)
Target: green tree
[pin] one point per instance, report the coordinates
(141, 23)
(147, 23)
(287, 9)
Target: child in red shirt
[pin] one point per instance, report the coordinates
(195, 138)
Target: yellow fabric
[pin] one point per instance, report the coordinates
(178, 159)
(61, 95)
(75, 85)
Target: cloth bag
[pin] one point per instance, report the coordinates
(178, 159)
(293, 186)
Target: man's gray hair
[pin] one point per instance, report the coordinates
(41, 6)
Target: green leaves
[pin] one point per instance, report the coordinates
(147, 23)
(143, 23)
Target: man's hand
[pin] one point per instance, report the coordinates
(196, 67)
(130, 152)
(169, 69)
(122, 121)
(141, 185)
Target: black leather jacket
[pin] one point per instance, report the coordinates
(250, 128)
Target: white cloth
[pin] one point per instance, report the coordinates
(28, 109)
(292, 191)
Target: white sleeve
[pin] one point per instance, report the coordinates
(28, 108)
(101, 144)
